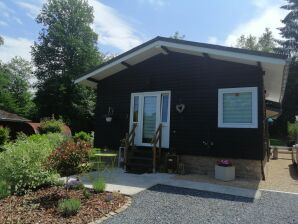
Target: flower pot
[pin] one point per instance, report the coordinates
(225, 173)
(108, 119)
(275, 153)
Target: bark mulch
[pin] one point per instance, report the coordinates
(41, 206)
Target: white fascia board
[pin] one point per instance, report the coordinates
(244, 56)
(133, 54)
(157, 44)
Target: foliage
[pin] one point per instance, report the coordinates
(293, 130)
(68, 207)
(15, 95)
(289, 46)
(68, 157)
(86, 193)
(277, 142)
(99, 185)
(66, 48)
(22, 164)
(83, 136)
(4, 135)
(21, 135)
(1, 41)
(178, 36)
(265, 43)
(224, 163)
(4, 190)
(51, 126)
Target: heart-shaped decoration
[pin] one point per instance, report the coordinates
(180, 108)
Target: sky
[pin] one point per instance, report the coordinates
(124, 24)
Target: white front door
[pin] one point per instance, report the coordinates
(148, 110)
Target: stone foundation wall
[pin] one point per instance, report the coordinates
(205, 165)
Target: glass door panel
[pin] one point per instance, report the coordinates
(149, 118)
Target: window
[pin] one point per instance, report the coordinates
(238, 108)
(164, 108)
(136, 109)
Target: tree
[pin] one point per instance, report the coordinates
(264, 43)
(177, 36)
(289, 46)
(66, 48)
(1, 41)
(15, 95)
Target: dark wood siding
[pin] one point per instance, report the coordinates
(193, 81)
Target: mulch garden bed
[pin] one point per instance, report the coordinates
(41, 206)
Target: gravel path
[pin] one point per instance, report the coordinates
(165, 204)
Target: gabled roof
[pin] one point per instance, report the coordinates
(6, 116)
(274, 65)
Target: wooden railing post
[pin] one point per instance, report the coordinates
(125, 150)
(154, 158)
(156, 139)
(129, 141)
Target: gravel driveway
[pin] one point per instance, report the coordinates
(165, 204)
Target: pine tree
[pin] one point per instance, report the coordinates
(289, 46)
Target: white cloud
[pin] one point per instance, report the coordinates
(112, 29)
(3, 23)
(156, 3)
(15, 47)
(270, 16)
(6, 9)
(212, 40)
(32, 9)
(18, 20)
(261, 3)
(8, 14)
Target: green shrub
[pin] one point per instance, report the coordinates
(4, 189)
(277, 142)
(99, 185)
(67, 159)
(4, 135)
(68, 207)
(293, 130)
(86, 193)
(51, 126)
(21, 135)
(23, 163)
(83, 136)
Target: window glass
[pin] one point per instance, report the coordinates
(237, 107)
(164, 108)
(149, 118)
(135, 108)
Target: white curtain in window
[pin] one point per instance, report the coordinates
(237, 107)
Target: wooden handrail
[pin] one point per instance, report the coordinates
(156, 139)
(129, 141)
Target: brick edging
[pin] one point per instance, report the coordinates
(112, 213)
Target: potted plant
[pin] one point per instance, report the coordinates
(224, 170)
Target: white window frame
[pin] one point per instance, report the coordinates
(254, 123)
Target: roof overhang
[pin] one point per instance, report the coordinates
(275, 67)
